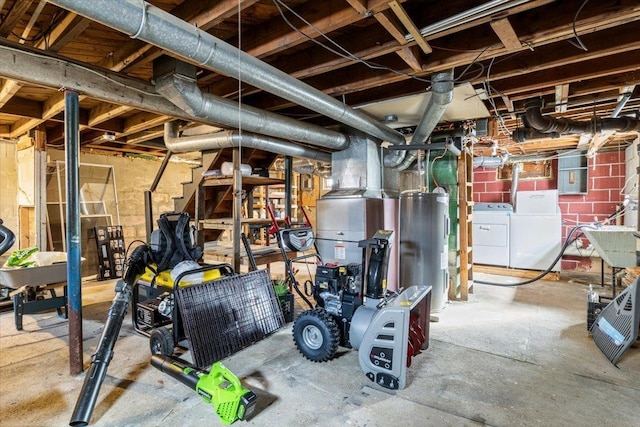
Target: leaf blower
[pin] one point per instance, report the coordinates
(219, 386)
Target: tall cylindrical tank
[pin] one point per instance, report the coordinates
(424, 238)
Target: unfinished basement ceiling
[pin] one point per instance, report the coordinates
(408, 110)
(581, 56)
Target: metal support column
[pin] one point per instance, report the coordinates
(72, 173)
(237, 209)
(40, 170)
(288, 172)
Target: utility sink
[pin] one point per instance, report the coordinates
(614, 243)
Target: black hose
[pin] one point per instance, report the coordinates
(7, 238)
(544, 273)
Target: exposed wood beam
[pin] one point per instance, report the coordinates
(509, 104)
(8, 90)
(23, 108)
(17, 11)
(147, 135)
(506, 34)
(410, 26)
(409, 55)
(104, 112)
(359, 5)
(22, 126)
(43, 69)
(70, 27)
(278, 36)
(143, 121)
(562, 98)
(547, 58)
(316, 61)
(601, 67)
(550, 56)
(32, 21)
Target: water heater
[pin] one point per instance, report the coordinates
(424, 237)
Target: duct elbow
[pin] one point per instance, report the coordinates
(533, 112)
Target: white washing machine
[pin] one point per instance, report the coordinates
(536, 240)
(535, 231)
(491, 233)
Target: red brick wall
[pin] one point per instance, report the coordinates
(605, 179)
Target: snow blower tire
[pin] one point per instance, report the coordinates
(316, 335)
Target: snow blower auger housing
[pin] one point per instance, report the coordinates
(354, 310)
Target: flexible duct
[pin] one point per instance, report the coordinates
(183, 91)
(441, 97)
(227, 139)
(536, 120)
(148, 23)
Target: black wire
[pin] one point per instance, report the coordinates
(545, 272)
(55, 20)
(373, 65)
(579, 43)
(347, 55)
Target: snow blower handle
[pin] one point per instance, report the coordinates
(274, 223)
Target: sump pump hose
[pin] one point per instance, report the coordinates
(544, 273)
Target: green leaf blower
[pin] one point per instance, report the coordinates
(219, 386)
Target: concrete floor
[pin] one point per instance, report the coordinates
(507, 357)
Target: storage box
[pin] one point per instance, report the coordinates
(286, 304)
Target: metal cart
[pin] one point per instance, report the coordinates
(34, 289)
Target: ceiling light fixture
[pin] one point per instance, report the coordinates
(109, 136)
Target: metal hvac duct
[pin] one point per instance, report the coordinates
(441, 96)
(548, 124)
(181, 89)
(146, 22)
(515, 182)
(489, 161)
(226, 139)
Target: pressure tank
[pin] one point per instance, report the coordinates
(424, 241)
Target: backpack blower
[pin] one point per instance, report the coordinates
(219, 386)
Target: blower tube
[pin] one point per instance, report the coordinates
(544, 273)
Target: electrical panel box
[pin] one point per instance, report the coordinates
(573, 172)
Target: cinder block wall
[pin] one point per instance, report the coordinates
(133, 177)
(606, 177)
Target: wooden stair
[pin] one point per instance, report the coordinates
(217, 200)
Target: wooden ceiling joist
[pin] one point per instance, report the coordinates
(506, 34)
